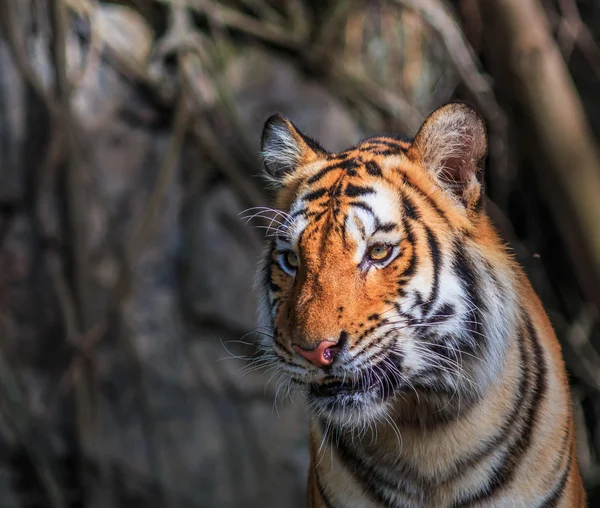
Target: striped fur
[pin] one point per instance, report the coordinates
(448, 388)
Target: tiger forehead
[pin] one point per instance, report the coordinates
(345, 205)
(365, 159)
(350, 173)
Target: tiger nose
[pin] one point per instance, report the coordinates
(321, 356)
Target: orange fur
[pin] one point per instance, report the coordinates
(427, 200)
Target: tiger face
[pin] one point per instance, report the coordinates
(379, 293)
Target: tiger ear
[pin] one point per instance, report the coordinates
(284, 148)
(452, 145)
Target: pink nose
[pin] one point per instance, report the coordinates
(321, 356)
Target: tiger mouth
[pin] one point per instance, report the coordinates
(333, 388)
(381, 383)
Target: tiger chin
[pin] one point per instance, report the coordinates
(432, 374)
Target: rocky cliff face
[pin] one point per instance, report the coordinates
(149, 408)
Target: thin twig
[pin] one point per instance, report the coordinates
(332, 26)
(248, 190)
(362, 93)
(92, 59)
(261, 29)
(125, 286)
(578, 338)
(264, 10)
(215, 62)
(298, 17)
(357, 90)
(163, 180)
(573, 31)
(13, 401)
(73, 297)
(20, 57)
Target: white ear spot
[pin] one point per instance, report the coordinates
(452, 145)
(280, 149)
(284, 148)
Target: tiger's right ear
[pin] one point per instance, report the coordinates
(284, 148)
(452, 146)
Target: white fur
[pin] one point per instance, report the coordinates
(281, 152)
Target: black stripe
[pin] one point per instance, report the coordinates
(400, 138)
(465, 271)
(436, 262)
(362, 205)
(272, 285)
(322, 493)
(387, 151)
(297, 213)
(444, 313)
(386, 146)
(353, 191)
(509, 424)
(412, 263)
(504, 473)
(556, 495)
(379, 226)
(314, 195)
(410, 210)
(336, 189)
(373, 168)
(366, 475)
(268, 272)
(385, 227)
(359, 340)
(359, 354)
(414, 187)
(350, 164)
(317, 176)
(312, 143)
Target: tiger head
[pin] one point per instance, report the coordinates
(384, 286)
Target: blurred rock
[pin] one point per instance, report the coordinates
(171, 417)
(265, 84)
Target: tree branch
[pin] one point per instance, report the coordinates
(438, 16)
(540, 81)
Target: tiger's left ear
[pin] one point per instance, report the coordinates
(284, 148)
(452, 146)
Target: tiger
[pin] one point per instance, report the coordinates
(430, 370)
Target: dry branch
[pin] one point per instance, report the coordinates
(573, 31)
(357, 90)
(262, 29)
(8, 27)
(541, 83)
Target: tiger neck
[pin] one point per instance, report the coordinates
(437, 433)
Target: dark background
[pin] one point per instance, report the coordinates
(129, 139)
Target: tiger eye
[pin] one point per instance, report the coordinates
(292, 259)
(379, 252)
